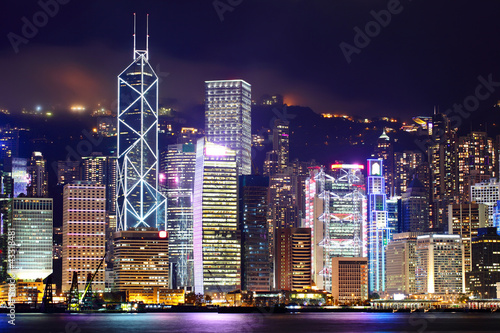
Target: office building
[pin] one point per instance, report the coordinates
(485, 271)
(38, 183)
(141, 259)
(440, 268)
(415, 208)
(378, 232)
(465, 220)
(405, 165)
(102, 170)
(277, 159)
(139, 203)
(349, 280)
(476, 161)
(293, 259)
(228, 119)
(178, 169)
(84, 219)
(487, 193)
(401, 261)
(336, 214)
(31, 229)
(255, 254)
(216, 237)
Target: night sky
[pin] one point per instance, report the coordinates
(429, 54)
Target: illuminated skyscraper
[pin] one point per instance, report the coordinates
(336, 215)
(465, 220)
(102, 170)
(178, 171)
(228, 119)
(38, 186)
(216, 237)
(415, 208)
(405, 167)
(31, 226)
(139, 203)
(255, 254)
(385, 151)
(293, 258)
(84, 219)
(487, 193)
(378, 231)
(476, 161)
(67, 171)
(440, 266)
(277, 159)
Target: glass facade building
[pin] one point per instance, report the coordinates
(139, 203)
(336, 215)
(216, 237)
(31, 229)
(178, 175)
(228, 119)
(378, 231)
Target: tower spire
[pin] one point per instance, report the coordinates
(133, 57)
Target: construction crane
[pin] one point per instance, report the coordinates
(75, 300)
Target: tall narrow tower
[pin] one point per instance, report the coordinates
(139, 203)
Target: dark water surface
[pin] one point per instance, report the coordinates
(258, 323)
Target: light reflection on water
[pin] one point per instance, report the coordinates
(262, 323)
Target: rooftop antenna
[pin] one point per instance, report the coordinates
(134, 35)
(147, 37)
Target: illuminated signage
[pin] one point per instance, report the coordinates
(163, 234)
(215, 150)
(347, 166)
(374, 167)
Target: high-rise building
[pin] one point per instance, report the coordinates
(255, 254)
(141, 259)
(277, 159)
(443, 169)
(84, 219)
(385, 151)
(102, 170)
(68, 171)
(31, 232)
(38, 184)
(139, 203)
(228, 119)
(336, 214)
(415, 208)
(378, 232)
(487, 193)
(440, 268)
(405, 165)
(401, 262)
(293, 259)
(16, 177)
(178, 169)
(216, 237)
(476, 158)
(465, 220)
(485, 271)
(349, 280)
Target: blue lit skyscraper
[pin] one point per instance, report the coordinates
(139, 203)
(378, 231)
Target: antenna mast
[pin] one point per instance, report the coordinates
(134, 36)
(147, 37)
